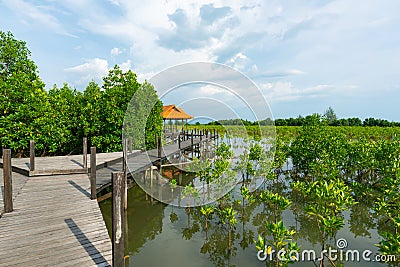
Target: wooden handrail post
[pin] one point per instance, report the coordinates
(159, 142)
(118, 188)
(84, 152)
(159, 152)
(7, 175)
(200, 144)
(31, 155)
(124, 169)
(93, 173)
(191, 142)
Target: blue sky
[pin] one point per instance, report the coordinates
(304, 56)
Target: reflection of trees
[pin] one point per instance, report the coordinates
(192, 223)
(217, 248)
(361, 220)
(268, 213)
(143, 220)
(306, 228)
(216, 235)
(245, 210)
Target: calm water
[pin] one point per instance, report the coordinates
(163, 235)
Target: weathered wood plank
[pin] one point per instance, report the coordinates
(54, 223)
(118, 195)
(7, 175)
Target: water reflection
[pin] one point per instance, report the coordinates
(165, 235)
(143, 219)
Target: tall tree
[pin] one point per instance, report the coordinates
(66, 129)
(330, 115)
(23, 100)
(14, 58)
(118, 89)
(91, 113)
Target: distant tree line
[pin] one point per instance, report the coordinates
(328, 118)
(59, 118)
(340, 122)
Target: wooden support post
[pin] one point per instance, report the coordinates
(191, 143)
(179, 140)
(159, 142)
(118, 187)
(124, 169)
(32, 155)
(151, 175)
(93, 173)
(84, 152)
(200, 144)
(7, 175)
(159, 152)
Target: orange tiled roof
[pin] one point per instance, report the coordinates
(172, 112)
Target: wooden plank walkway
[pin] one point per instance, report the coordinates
(54, 223)
(140, 161)
(61, 164)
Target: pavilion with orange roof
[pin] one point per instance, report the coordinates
(172, 115)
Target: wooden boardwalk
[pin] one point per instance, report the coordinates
(54, 222)
(140, 161)
(61, 164)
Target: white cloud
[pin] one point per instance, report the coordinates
(125, 66)
(31, 14)
(255, 73)
(239, 61)
(115, 51)
(285, 91)
(209, 90)
(92, 69)
(95, 65)
(114, 2)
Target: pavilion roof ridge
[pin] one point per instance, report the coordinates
(172, 112)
